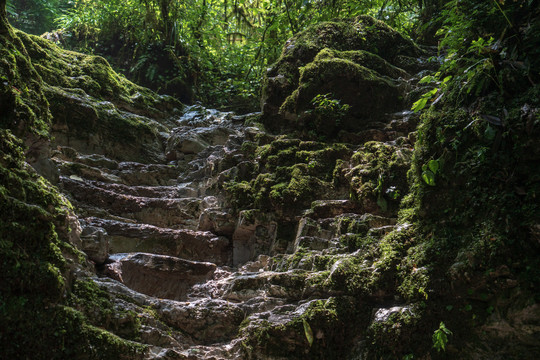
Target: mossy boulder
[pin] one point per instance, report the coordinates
(23, 105)
(288, 174)
(94, 107)
(319, 329)
(43, 315)
(365, 58)
(39, 256)
(363, 95)
(293, 72)
(378, 176)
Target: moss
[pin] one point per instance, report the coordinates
(365, 59)
(34, 270)
(282, 89)
(38, 79)
(378, 178)
(288, 175)
(37, 257)
(92, 74)
(333, 323)
(23, 106)
(57, 332)
(391, 337)
(352, 87)
(352, 276)
(98, 307)
(356, 241)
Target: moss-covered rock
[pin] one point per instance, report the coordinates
(320, 329)
(288, 175)
(23, 105)
(363, 96)
(43, 314)
(366, 59)
(356, 44)
(378, 176)
(38, 257)
(93, 106)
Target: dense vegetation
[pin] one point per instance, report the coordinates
(213, 51)
(470, 247)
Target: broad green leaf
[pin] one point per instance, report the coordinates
(433, 166)
(427, 79)
(430, 93)
(428, 177)
(419, 105)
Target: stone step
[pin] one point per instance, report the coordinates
(165, 192)
(147, 174)
(292, 285)
(187, 244)
(205, 321)
(325, 233)
(160, 276)
(322, 209)
(162, 212)
(100, 168)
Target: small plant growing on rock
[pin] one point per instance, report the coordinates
(440, 337)
(329, 113)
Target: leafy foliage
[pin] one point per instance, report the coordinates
(35, 16)
(440, 337)
(488, 47)
(220, 48)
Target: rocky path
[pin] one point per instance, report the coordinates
(203, 280)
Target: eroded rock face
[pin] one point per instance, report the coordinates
(96, 110)
(252, 237)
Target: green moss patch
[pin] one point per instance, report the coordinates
(288, 175)
(361, 41)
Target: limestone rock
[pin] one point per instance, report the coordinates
(187, 140)
(206, 320)
(161, 276)
(187, 244)
(95, 243)
(216, 221)
(253, 236)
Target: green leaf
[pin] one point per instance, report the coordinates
(308, 332)
(447, 79)
(419, 105)
(441, 31)
(430, 93)
(428, 177)
(433, 166)
(427, 79)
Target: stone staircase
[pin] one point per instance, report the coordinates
(204, 280)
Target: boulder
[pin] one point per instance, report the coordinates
(185, 140)
(353, 61)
